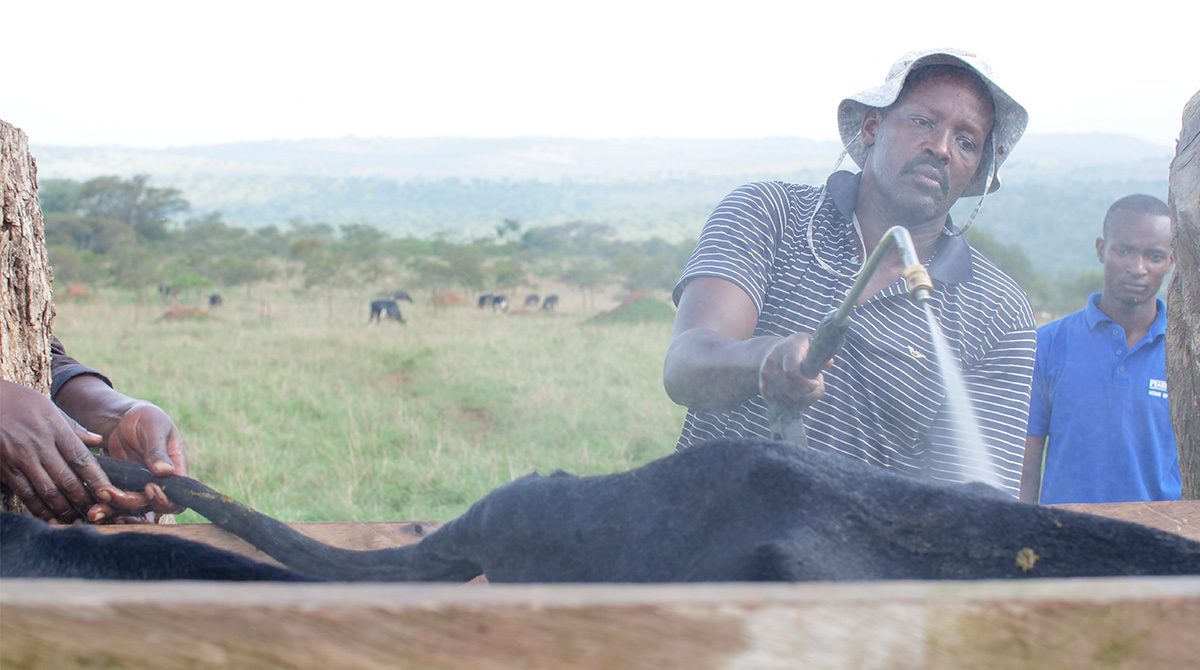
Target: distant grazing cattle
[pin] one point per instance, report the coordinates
(384, 309)
(497, 301)
(532, 300)
(214, 301)
(167, 293)
(550, 303)
(728, 510)
(401, 295)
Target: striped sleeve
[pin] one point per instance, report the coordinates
(740, 240)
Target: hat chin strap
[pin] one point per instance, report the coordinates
(854, 219)
(987, 186)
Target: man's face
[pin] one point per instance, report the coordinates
(926, 149)
(1136, 256)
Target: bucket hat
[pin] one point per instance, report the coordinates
(1010, 117)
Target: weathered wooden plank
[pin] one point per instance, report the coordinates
(1181, 517)
(1076, 623)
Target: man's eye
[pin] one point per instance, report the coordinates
(966, 144)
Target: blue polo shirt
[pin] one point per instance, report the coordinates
(1105, 411)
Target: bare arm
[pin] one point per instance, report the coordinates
(1031, 469)
(715, 364)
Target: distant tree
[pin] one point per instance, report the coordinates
(464, 262)
(242, 271)
(191, 283)
(134, 202)
(135, 269)
(574, 239)
(301, 229)
(653, 264)
(509, 273)
(586, 274)
(510, 229)
(59, 195)
(326, 267)
(1069, 294)
(272, 241)
(364, 241)
(72, 266)
(1014, 262)
(431, 273)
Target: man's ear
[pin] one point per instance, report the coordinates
(1100, 248)
(870, 127)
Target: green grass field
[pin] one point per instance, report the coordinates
(294, 405)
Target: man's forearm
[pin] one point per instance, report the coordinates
(93, 403)
(708, 372)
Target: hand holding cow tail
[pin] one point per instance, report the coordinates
(289, 546)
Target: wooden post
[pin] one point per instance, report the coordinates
(26, 310)
(1183, 300)
(26, 307)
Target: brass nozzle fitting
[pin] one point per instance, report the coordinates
(918, 283)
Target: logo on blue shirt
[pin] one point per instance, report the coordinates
(1158, 388)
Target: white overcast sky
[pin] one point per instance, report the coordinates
(159, 74)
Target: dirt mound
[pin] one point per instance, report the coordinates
(639, 307)
(184, 312)
(447, 300)
(77, 292)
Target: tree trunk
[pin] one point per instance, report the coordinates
(26, 309)
(1183, 301)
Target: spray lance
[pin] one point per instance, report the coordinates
(786, 423)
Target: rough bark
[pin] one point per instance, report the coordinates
(26, 308)
(1183, 300)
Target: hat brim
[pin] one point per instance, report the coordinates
(1010, 117)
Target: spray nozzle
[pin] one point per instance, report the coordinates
(918, 283)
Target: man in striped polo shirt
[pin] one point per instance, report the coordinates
(775, 258)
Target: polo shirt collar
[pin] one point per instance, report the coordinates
(951, 262)
(1095, 317)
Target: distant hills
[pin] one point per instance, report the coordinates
(1056, 187)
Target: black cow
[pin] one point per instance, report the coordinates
(550, 303)
(497, 301)
(381, 309)
(726, 510)
(401, 295)
(532, 300)
(215, 301)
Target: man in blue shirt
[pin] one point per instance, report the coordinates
(1099, 380)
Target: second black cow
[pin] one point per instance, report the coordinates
(385, 309)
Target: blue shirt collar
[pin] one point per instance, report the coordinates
(951, 262)
(1096, 317)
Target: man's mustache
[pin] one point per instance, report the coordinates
(943, 173)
